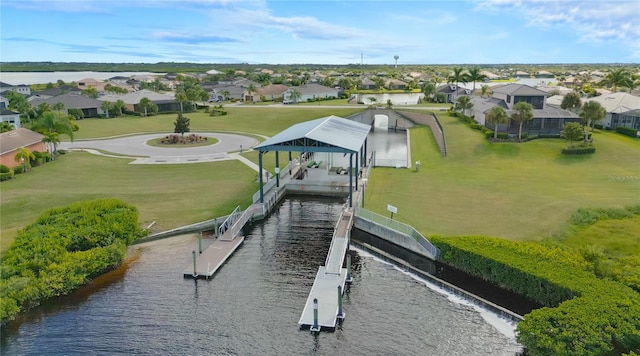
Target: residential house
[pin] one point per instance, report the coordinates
(165, 102)
(12, 117)
(452, 91)
(544, 74)
(4, 102)
(51, 92)
(546, 119)
(311, 92)
(87, 83)
(90, 107)
(11, 141)
(272, 92)
(368, 84)
(222, 92)
(22, 89)
(522, 74)
(395, 84)
(621, 109)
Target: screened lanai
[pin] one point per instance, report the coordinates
(331, 134)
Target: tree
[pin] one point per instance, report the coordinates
(429, 90)
(58, 106)
(295, 95)
(250, 90)
(91, 92)
(618, 78)
(181, 98)
(5, 127)
(345, 83)
(475, 76)
(76, 113)
(145, 104)
(23, 155)
(55, 121)
(19, 103)
(572, 131)
(464, 103)
(373, 99)
(225, 94)
(119, 106)
(592, 111)
(496, 116)
(106, 106)
(458, 76)
(571, 102)
(327, 81)
(390, 106)
(486, 90)
(524, 113)
(181, 125)
(52, 139)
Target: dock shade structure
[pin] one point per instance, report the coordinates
(330, 134)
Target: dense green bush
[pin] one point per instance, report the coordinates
(627, 131)
(585, 315)
(62, 250)
(579, 150)
(585, 217)
(6, 173)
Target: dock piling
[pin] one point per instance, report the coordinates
(340, 311)
(315, 327)
(195, 273)
(349, 279)
(200, 242)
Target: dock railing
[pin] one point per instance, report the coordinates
(229, 221)
(336, 230)
(399, 227)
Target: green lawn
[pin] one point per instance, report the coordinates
(515, 191)
(258, 120)
(172, 195)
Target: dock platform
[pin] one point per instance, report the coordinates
(213, 257)
(325, 289)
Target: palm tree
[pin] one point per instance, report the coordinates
(250, 90)
(182, 98)
(23, 155)
(295, 95)
(119, 105)
(486, 90)
(145, 103)
(619, 77)
(592, 111)
(458, 76)
(429, 90)
(495, 116)
(464, 104)
(52, 139)
(476, 76)
(225, 94)
(54, 121)
(58, 106)
(106, 106)
(524, 113)
(571, 102)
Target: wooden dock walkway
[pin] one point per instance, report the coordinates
(328, 278)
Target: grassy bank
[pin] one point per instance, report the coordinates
(515, 191)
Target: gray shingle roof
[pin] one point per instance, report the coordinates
(70, 101)
(519, 89)
(331, 130)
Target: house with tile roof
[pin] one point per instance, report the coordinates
(11, 141)
(622, 110)
(272, 92)
(546, 119)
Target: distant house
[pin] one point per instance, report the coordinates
(452, 91)
(368, 84)
(12, 117)
(22, 89)
(11, 141)
(621, 110)
(521, 74)
(51, 92)
(272, 92)
(221, 92)
(310, 92)
(546, 119)
(87, 83)
(395, 84)
(544, 74)
(90, 107)
(165, 102)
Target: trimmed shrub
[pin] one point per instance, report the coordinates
(578, 150)
(627, 131)
(6, 173)
(503, 136)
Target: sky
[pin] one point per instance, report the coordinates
(321, 32)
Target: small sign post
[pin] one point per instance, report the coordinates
(392, 209)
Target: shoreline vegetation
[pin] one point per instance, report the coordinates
(572, 279)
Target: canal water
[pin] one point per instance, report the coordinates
(252, 305)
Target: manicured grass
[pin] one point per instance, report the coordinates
(172, 195)
(618, 238)
(258, 120)
(516, 191)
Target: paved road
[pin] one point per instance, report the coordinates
(137, 147)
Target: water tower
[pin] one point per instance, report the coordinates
(396, 58)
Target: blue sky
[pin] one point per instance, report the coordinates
(322, 32)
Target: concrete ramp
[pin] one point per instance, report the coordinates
(380, 122)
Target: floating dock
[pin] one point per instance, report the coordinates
(324, 303)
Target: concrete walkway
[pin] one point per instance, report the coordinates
(137, 149)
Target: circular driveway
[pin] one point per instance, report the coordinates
(137, 146)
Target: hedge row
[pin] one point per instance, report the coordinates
(627, 131)
(62, 250)
(585, 315)
(578, 150)
(6, 173)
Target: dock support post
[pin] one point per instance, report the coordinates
(195, 273)
(200, 242)
(340, 312)
(315, 326)
(349, 279)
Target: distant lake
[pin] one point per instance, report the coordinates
(28, 78)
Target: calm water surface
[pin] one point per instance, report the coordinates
(252, 305)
